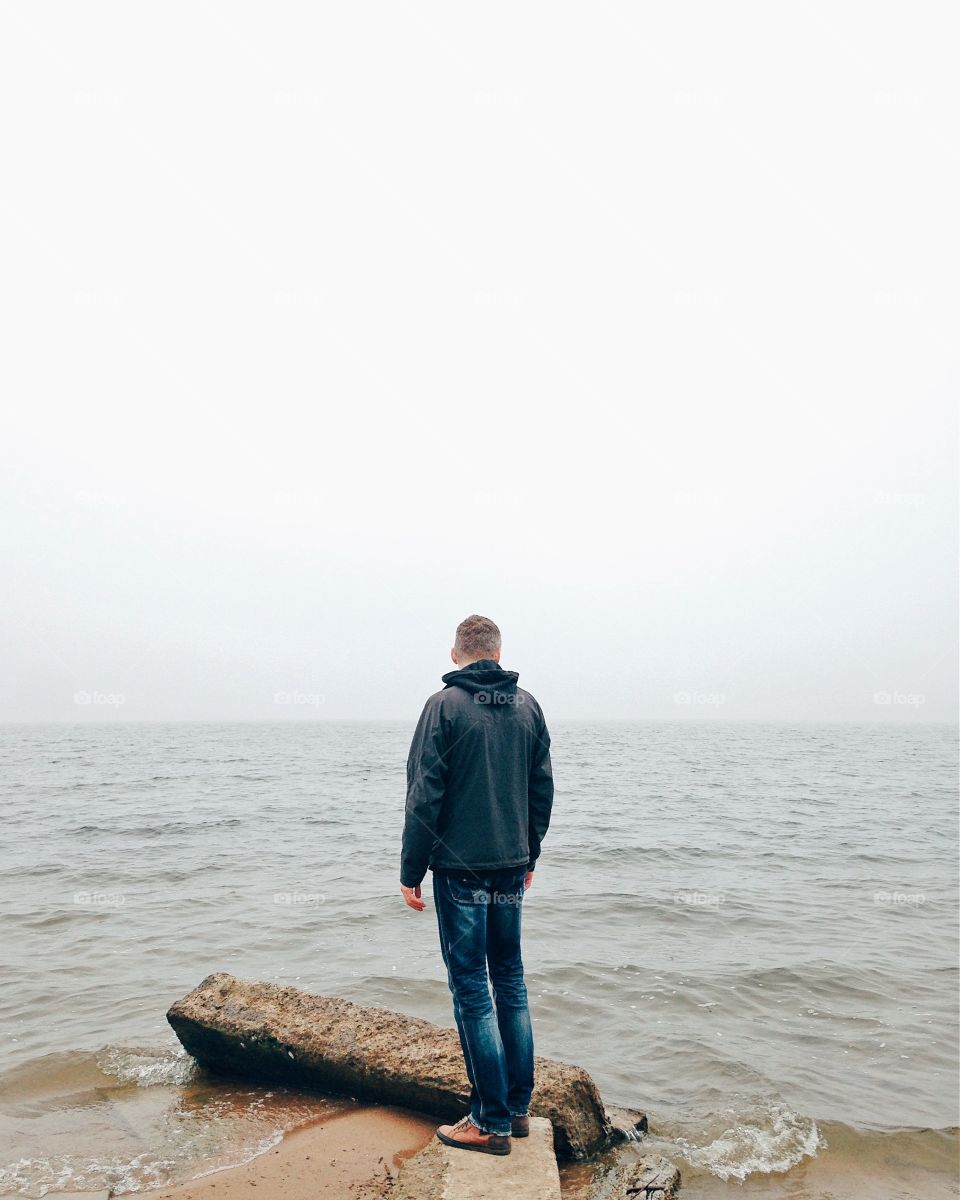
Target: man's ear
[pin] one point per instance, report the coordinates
(496, 657)
(453, 654)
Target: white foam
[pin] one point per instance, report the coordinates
(36, 1176)
(776, 1145)
(147, 1068)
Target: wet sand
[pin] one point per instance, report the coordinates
(352, 1154)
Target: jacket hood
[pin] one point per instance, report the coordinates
(484, 676)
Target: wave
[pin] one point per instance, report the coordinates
(119, 1174)
(765, 1143)
(164, 828)
(80, 1072)
(147, 1067)
(79, 1120)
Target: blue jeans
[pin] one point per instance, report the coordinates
(479, 918)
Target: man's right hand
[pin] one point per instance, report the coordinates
(412, 897)
(528, 880)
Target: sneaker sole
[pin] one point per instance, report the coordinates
(467, 1146)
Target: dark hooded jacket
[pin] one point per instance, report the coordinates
(479, 778)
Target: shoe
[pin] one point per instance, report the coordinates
(466, 1136)
(520, 1126)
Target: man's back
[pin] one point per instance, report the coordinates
(479, 777)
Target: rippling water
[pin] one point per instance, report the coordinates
(749, 930)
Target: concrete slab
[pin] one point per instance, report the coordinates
(268, 1031)
(441, 1172)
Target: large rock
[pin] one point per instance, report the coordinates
(325, 1043)
(439, 1172)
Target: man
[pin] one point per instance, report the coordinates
(479, 795)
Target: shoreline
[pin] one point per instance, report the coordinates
(355, 1153)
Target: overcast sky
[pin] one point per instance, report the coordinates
(630, 326)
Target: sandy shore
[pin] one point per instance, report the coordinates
(350, 1154)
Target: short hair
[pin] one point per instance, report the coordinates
(477, 635)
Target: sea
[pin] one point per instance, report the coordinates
(748, 930)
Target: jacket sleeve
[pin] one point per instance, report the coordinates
(426, 784)
(539, 793)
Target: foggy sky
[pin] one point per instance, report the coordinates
(630, 327)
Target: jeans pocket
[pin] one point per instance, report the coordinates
(466, 891)
(518, 882)
(510, 890)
